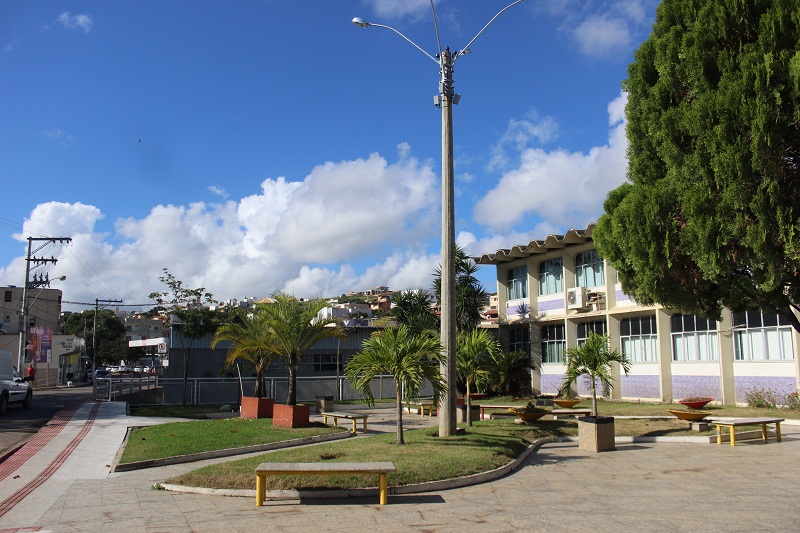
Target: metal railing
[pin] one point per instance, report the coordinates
(153, 390)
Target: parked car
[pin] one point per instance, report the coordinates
(103, 373)
(13, 389)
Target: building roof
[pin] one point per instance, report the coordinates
(537, 247)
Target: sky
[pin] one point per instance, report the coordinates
(256, 146)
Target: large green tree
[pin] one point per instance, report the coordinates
(412, 358)
(474, 352)
(709, 217)
(109, 337)
(295, 327)
(413, 308)
(192, 320)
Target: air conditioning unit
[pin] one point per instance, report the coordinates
(576, 298)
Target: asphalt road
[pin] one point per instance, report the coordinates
(19, 424)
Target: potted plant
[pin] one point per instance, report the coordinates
(594, 360)
(695, 402)
(529, 413)
(252, 341)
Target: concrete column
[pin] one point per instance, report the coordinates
(726, 372)
(664, 330)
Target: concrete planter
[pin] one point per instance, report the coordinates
(290, 416)
(596, 434)
(253, 407)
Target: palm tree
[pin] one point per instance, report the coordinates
(411, 358)
(251, 340)
(593, 359)
(470, 295)
(413, 308)
(473, 356)
(295, 328)
(508, 372)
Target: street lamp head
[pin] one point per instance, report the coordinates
(61, 278)
(358, 21)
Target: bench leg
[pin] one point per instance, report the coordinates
(261, 490)
(365, 426)
(382, 488)
(764, 432)
(733, 436)
(354, 427)
(778, 430)
(719, 435)
(325, 420)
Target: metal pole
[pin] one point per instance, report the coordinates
(447, 418)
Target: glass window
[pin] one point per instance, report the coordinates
(694, 338)
(589, 269)
(520, 340)
(551, 273)
(638, 339)
(761, 336)
(554, 344)
(517, 283)
(584, 328)
(324, 362)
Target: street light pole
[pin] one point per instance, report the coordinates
(445, 100)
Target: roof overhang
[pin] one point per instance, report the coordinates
(572, 237)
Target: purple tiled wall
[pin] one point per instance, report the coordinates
(551, 383)
(640, 386)
(696, 386)
(551, 305)
(779, 384)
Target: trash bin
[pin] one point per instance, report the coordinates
(324, 403)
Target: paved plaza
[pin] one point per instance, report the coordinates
(65, 485)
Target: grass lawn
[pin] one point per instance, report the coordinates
(181, 438)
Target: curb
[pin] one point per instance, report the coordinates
(189, 458)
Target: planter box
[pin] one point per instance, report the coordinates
(253, 407)
(461, 411)
(596, 434)
(290, 416)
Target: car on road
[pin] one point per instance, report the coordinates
(13, 389)
(102, 373)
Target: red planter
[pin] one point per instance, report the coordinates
(290, 416)
(695, 404)
(253, 407)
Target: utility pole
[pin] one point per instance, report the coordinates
(39, 281)
(94, 340)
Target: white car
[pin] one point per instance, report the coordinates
(13, 389)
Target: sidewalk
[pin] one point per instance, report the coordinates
(640, 487)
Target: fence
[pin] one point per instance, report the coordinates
(147, 390)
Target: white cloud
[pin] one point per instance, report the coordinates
(218, 191)
(60, 137)
(602, 36)
(519, 134)
(83, 22)
(561, 188)
(309, 238)
(395, 9)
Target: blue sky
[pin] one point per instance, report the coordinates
(260, 146)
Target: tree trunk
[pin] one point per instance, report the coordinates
(469, 405)
(399, 393)
(594, 395)
(292, 386)
(260, 383)
(185, 374)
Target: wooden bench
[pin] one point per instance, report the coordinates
(483, 408)
(355, 417)
(574, 412)
(322, 469)
(738, 422)
(421, 404)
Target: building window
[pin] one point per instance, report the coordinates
(589, 269)
(517, 283)
(551, 273)
(324, 362)
(584, 328)
(638, 339)
(554, 344)
(7, 297)
(761, 336)
(520, 340)
(694, 338)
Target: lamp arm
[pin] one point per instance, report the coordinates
(407, 39)
(464, 50)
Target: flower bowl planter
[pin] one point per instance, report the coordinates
(529, 417)
(691, 416)
(253, 407)
(596, 433)
(695, 403)
(567, 404)
(290, 416)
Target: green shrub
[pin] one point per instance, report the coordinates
(761, 398)
(792, 401)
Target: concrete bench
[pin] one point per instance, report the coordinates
(739, 422)
(355, 417)
(421, 404)
(322, 469)
(484, 407)
(570, 412)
